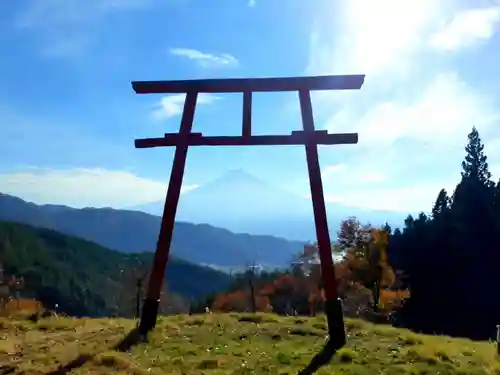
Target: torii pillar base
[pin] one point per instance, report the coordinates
(335, 321)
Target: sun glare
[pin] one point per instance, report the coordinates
(382, 30)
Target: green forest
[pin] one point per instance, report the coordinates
(82, 278)
(451, 256)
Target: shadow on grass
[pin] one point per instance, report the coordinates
(7, 369)
(133, 338)
(319, 360)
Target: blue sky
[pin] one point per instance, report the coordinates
(68, 114)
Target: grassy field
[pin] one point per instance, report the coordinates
(231, 344)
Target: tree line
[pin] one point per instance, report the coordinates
(366, 281)
(436, 274)
(451, 256)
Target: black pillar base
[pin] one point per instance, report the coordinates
(335, 320)
(149, 315)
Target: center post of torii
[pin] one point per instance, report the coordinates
(309, 137)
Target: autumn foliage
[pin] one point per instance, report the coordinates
(365, 280)
(14, 305)
(240, 301)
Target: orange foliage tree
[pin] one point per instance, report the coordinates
(363, 274)
(367, 262)
(240, 301)
(391, 300)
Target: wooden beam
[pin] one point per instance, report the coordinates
(300, 138)
(333, 307)
(247, 114)
(151, 303)
(330, 82)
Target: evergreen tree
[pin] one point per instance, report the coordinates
(475, 165)
(442, 205)
(473, 212)
(496, 202)
(409, 222)
(387, 228)
(454, 253)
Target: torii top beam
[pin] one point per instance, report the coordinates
(247, 86)
(330, 82)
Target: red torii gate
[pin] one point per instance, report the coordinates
(309, 137)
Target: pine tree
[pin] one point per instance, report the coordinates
(387, 228)
(475, 165)
(454, 254)
(473, 216)
(496, 206)
(475, 191)
(497, 198)
(442, 204)
(409, 222)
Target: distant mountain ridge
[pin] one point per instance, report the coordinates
(242, 202)
(134, 231)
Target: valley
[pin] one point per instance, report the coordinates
(83, 278)
(133, 231)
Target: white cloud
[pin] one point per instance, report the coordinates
(172, 105)
(442, 113)
(466, 28)
(82, 187)
(252, 3)
(492, 149)
(67, 27)
(207, 60)
(407, 199)
(72, 12)
(433, 125)
(334, 168)
(495, 171)
(374, 37)
(348, 176)
(412, 114)
(384, 31)
(414, 198)
(373, 177)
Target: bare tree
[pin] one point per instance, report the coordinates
(251, 272)
(4, 289)
(131, 279)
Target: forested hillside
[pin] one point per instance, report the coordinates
(451, 257)
(84, 278)
(133, 231)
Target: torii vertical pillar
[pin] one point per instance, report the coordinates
(309, 137)
(152, 301)
(333, 305)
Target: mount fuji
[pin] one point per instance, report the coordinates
(242, 203)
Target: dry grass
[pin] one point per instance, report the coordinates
(231, 344)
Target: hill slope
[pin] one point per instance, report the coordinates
(233, 344)
(132, 231)
(84, 278)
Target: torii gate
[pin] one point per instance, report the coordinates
(309, 137)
